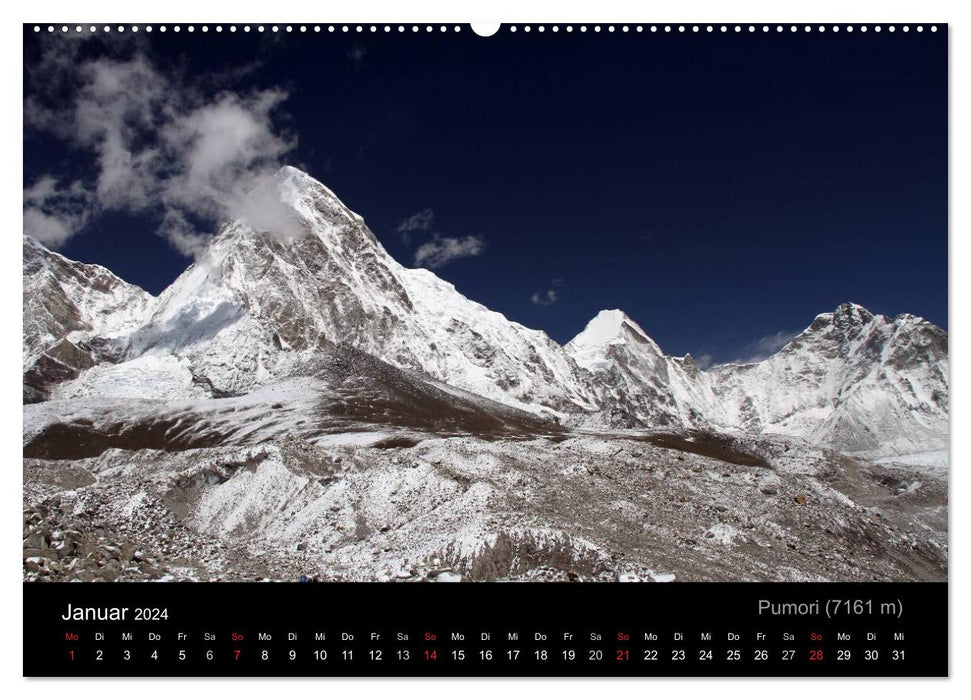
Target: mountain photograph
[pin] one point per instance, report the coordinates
(229, 376)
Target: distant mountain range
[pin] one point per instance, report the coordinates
(314, 296)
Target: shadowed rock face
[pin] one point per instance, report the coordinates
(62, 361)
(352, 392)
(67, 306)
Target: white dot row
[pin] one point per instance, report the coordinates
(698, 28)
(246, 28)
(693, 28)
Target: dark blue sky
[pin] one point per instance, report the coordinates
(719, 188)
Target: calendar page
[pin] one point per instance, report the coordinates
(485, 350)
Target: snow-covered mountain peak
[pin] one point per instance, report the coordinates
(290, 205)
(32, 247)
(847, 317)
(610, 327)
(298, 189)
(855, 334)
(850, 315)
(305, 274)
(89, 284)
(640, 385)
(689, 363)
(299, 177)
(852, 330)
(288, 228)
(853, 379)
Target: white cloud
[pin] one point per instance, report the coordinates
(422, 221)
(442, 250)
(416, 223)
(262, 209)
(52, 212)
(766, 346)
(160, 145)
(547, 298)
(179, 231)
(224, 148)
(439, 250)
(118, 101)
(704, 360)
(550, 296)
(50, 229)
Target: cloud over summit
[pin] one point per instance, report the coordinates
(161, 145)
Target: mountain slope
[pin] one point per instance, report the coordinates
(853, 381)
(639, 385)
(345, 394)
(261, 302)
(69, 308)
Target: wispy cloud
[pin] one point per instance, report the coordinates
(548, 297)
(704, 360)
(437, 250)
(766, 346)
(162, 145)
(441, 250)
(357, 54)
(53, 212)
(420, 222)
